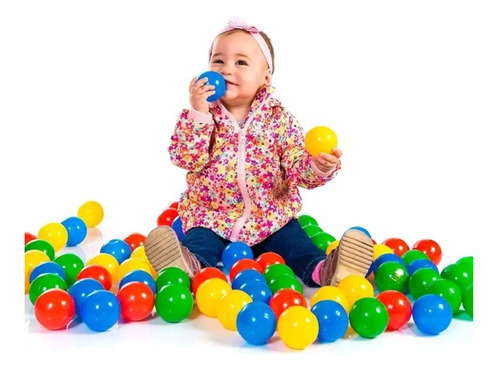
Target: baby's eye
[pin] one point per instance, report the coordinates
(242, 63)
(217, 61)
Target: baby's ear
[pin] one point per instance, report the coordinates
(268, 78)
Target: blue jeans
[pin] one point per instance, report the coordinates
(291, 242)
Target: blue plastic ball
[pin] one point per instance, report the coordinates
(81, 289)
(362, 230)
(386, 258)
(47, 267)
(118, 248)
(247, 276)
(77, 230)
(258, 291)
(432, 314)
(420, 263)
(234, 252)
(332, 318)
(256, 323)
(139, 276)
(177, 227)
(100, 310)
(217, 80)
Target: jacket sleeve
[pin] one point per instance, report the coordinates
(297, 162)
(190, 144)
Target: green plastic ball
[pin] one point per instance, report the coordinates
(43, 246)
(44, 282)
(312, 230)
(174, 302)
(413, 255)
(392, 275)
(305, 220)
(368, 317)
(172, 275)
(468, 261)
(285, 281)
(322, 240)
(420, 281)
(468, 300)
(273, 271)
(458, 273)
(449, 291)
(72, 265)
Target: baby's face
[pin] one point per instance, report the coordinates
(239, 59)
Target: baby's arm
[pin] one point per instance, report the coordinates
(300, 166)
(190, 144)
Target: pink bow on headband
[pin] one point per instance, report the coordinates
(239, 24)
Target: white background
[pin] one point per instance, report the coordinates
(92, 90)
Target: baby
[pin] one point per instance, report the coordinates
(246, 160)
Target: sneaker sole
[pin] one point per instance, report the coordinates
(163, 249)
(355, 256)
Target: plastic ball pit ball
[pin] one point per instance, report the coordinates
(432, 314)
(217, 81)
(174, 303)
(298, 327)
(369, 317)
(320, 140)
(54, 309)
(92, 213)
(256, 323)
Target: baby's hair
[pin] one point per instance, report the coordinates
(266, 39)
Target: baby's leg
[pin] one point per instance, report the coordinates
(202, 247)
(297, 248)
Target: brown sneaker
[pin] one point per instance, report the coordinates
(353, 256)
(163, 249)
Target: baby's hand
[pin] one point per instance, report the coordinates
(198, 94)
(326, 162)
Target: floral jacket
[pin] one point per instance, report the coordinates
(243, 182)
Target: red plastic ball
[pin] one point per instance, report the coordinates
(174, 205)
(28, 237)
(429, 248)
(243, 264)
(284, 299)
(135, 240)
(398, 306)
(203, 275)
(54, 309)
(98, 273)
(136, 301)
(397, 245)
(269, 258)
(167, 217)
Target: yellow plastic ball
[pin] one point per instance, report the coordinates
(332, 246)
(140, 253)
(380, 249)
(54, 233)
(330, 293)
(320, 139)
(107, 261)
(129, 265)
(32, 258)
(92, 213)
(356, 287)
(230, 305)
(297, 327)
(208, 295)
